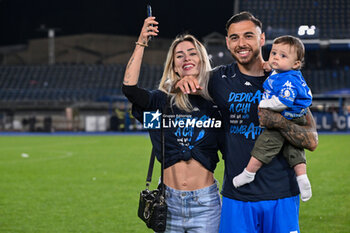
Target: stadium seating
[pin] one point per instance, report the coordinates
(94, 83)
(68, 83)
(331, 17)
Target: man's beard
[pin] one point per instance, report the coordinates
(248, 60)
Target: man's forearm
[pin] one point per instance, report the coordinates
(299, 136)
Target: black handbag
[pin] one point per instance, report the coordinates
(152, 207)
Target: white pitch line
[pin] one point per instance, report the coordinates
(30, 159)
(50, 145)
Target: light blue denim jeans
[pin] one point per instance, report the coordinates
(195, 211)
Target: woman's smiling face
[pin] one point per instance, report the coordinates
(186, 59)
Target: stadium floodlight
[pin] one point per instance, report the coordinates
(51, 40)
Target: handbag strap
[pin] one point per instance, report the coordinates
(162, 151)
(150, 170)
(163, 156)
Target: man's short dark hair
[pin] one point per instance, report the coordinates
(243, 16)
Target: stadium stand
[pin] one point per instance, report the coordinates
(94, 83)
(330, 17)
(68, 83)
(29, 88)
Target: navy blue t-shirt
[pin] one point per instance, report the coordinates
(183, 142)
(237, 96)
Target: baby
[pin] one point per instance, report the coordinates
(285, 91)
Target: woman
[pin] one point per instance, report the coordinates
(192, 195)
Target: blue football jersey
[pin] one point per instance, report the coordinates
(292, 90)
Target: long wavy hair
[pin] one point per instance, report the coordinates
(170, 77)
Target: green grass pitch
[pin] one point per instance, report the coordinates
(58, 184)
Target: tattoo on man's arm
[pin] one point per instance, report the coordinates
(297, 135)
(301, 136)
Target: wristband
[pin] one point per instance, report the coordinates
(141, 44)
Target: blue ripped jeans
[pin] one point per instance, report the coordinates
(195, 211)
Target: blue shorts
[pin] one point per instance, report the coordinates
(195, 211)
(273, 216)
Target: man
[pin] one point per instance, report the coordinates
(270, 204)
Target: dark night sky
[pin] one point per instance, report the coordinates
(20, 19)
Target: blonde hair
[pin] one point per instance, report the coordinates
(170, 77)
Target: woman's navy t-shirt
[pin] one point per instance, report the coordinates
(189, 141)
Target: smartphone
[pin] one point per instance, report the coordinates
(149, 14)
(149, 10)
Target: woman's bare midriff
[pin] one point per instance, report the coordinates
(188, 175)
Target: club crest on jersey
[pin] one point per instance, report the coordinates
(288, 94)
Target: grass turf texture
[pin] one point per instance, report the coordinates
(91, 184)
